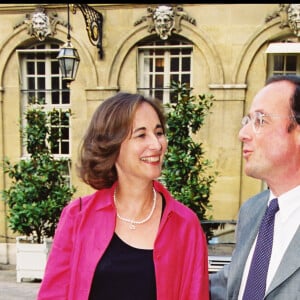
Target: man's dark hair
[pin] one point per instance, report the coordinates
(295, 99)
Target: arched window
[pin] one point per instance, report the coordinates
(160, 63)
(284, 58)
(41, 83)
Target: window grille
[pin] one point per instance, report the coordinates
(41, 83)
(160, 63)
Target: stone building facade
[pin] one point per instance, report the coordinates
(227, 50)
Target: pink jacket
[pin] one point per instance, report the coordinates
(82, 235)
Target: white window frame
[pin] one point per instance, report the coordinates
(147, 86)
(283, 49)
(48, 106)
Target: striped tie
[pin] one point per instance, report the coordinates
(256, 282)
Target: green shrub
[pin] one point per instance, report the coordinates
(186, 170)
(39, 189)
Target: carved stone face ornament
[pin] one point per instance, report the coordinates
(294, 18)
(40, 25)
(164, 21)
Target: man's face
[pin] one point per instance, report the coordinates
(272, 152)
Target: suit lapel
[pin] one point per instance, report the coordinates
(289, 264)
(253, 209)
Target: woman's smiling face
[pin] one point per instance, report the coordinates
(142, 152)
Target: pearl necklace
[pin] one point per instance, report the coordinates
(133, 223)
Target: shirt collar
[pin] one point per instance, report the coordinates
(288, 202)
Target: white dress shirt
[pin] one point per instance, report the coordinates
(287, 221)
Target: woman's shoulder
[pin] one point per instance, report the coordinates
(81, 203)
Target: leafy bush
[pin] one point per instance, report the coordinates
(185, 171)
(39, 188)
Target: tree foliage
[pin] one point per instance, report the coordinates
(186, 170)
(39, 189)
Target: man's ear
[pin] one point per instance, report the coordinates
(297, 132)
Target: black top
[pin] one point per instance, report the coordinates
(124, 272)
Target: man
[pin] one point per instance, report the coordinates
(271, 149)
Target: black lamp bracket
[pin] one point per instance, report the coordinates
(93, 21)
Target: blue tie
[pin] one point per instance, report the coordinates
(256, 282)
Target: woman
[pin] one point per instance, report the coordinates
(130, 239)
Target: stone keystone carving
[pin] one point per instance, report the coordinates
(289, 17)
(165, 20)
(40, 25)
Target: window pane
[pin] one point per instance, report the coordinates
(150, 82)
(40, 68)
(65, 148)
(174, 77)
(186, 51)
(65, 133)
(159, 81)
(159, 52)
(31, 98)
(41, 97)
(55, 97)
(148, 64)
(54, 67)
(30, 68)
(186, 64)
(291, 63)
(172, 97)
(64, 85)
(31, 83)
(54, 148)
(175, 64)
(55, 83)
(158, 95)
(55, 46)
(65, 118)
(40, 55)
(30, 55)
(159, 66)
(174, 51)
(185, 78)
(278, 63)
(66, 97)
(41, 83)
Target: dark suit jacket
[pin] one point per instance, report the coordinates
(286, 283)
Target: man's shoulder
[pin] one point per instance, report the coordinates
(255, 203)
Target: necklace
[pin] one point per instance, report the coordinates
(133, 223)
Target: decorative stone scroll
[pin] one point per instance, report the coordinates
(41, 25)
(289, 17)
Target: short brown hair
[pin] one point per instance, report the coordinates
(108, 128)
(295, 98)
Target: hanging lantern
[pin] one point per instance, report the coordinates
(68, 60)
(68, 57)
